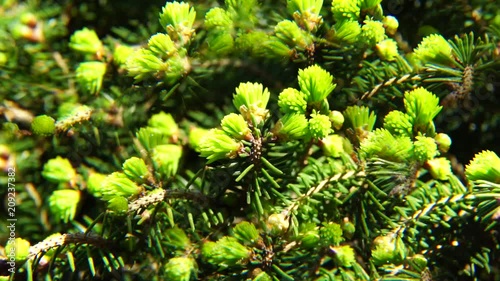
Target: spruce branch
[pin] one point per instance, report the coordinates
(65, 240)
(392, 81)
(319, 187)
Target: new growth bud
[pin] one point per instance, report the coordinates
(20, 248)
(319, 126)
(43, 125)
(251, 100)
(345, 10)
(89, 76)
(63, 204)
(226, 252)
(86, 41)
(235, 126)
(292, 101)
(177, 19)
(216, 145)
(135, 169)
(58, 170)
(484, 166)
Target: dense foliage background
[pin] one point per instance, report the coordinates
(83, 92)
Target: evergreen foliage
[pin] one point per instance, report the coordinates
(250, 140)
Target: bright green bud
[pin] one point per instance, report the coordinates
(360, 118)
(180, 269)
(207, 249)
(177, 238)
(166, 159)
(246, 233)
(195, 137)
(424, 148)
(151, 137)
(434, 49)
(306, 13)
(177, 19)
(344, 255)
(387, 49)
(381, 143)
(484, 166)
(118, 184)
(372, 32)
(291, 34)
(274, 48)
(58, 170)
(86, 41)
(440, 168)
(89, 76)
(121, 54)
(217, 145)
(331, 234)
(165, 123)
(443, 141)
(235, 126)
(368, 4)
(94, 182)
(291, 100)
(263, 276)
(315, 83)
(17, 248)
(162, 46)
(422, 106)
(333, 145)
(118, 204)
(143, 63)
(291, 127)
(218, 18)
(226, 252)
(277, 224)
(43, 125)
(337, 119)
(251, 100)
(345, 10)
(346, 32)
(391, 24)
(135, 169)
(388, 249)
(319, 125)
(220, 42)
(63, 204)
(398, 123)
